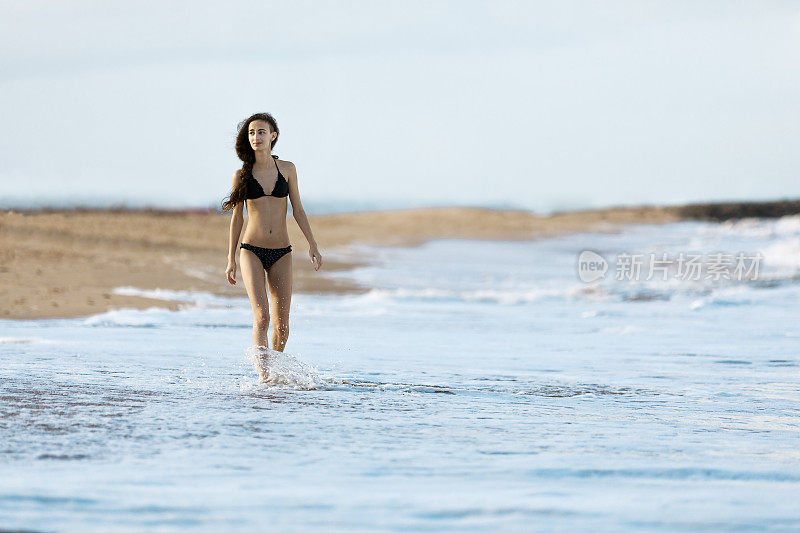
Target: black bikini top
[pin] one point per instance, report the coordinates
(254, 189)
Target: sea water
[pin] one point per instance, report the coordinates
(478, 386)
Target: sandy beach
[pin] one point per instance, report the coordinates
(58, 264)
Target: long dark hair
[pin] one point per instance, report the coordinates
(248, 157)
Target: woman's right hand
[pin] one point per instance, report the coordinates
(230, 272)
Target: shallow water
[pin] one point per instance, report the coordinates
(480, 386)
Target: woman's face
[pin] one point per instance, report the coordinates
(259, 135)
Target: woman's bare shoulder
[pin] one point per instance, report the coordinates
(237, 175)
(286, 166)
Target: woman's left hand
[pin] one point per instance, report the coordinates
(316, 258)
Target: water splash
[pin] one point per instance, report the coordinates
(281, 368)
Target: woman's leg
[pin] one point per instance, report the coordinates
(280, 289)
(255, 283)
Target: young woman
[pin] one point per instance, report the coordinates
(263, 183)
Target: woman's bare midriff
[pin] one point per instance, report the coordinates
(265, 214)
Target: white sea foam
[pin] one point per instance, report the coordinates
(756, 227)
(24, 340)
(150, 317)
(197, 298)
(621, 330)
(783, 255)
(497, 296)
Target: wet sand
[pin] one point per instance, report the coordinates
(59, 264)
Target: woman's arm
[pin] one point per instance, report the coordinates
(237, 221)
(300, 216)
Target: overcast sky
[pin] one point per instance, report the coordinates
(525, 104)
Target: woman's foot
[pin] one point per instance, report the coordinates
(260, 356)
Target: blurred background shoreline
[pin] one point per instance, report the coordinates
(64, 263)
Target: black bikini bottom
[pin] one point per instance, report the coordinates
(268, 256)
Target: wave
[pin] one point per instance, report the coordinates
(783, 255)
(757, 227)
(680, 473)
(198, 298)
(741, 293)
(25, 340)
(141, 318)
(498, 296)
